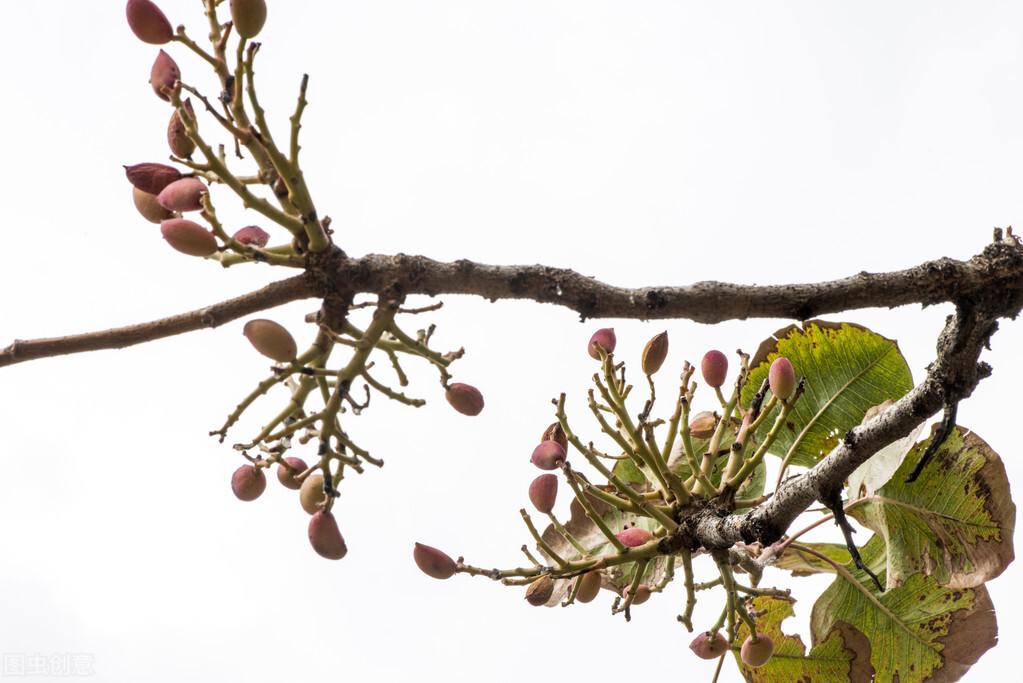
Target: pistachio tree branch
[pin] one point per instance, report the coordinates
(275, 294)
(952, 376)
(932, 282)
(997, 271)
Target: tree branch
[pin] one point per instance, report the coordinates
(281, 292)
(953, 376)
(1000, 266)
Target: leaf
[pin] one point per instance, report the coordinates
(592, 539)
(828, 661)
(848, 369)
(804, 564)
(954, 523)
(919, 631)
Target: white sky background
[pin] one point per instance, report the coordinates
(643, 143)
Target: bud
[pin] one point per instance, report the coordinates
(703, 424)
(464, 398)
(325, 537)
(287, 476)
(548, 455)
(311, 495)
(589, 586)
(654, 354)
(714, 367)
(183, 195)
(709, 645)
(253, 235)
(540, 591)
(557, 434)
(434, 562)
(248, 482)
(633, 536)
(271, 340)
(148, 22)
(151, 178)
(148, 206)
(642, 594)
(248, 17)
(543, 492)
(164, 74)
(782, 378)
(177, 139)
(188, 237)
(605, 339)
(755, 653)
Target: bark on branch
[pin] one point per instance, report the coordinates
(932, 282)
(275, 294)
(953, 376)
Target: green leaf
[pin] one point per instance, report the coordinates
(804, 564)
(848, 369)
(920, 631)
(954, 523)
(630, 473)
(828, 661)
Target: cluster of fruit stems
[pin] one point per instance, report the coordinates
(297, 212)
(669, 494)
(298, 215)
(309, 372)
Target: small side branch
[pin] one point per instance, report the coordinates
(276, 294)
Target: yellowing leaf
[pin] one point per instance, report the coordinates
(954, 523)
(848, 369)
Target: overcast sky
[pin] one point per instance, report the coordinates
(639, 142)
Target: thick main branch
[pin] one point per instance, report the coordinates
(999, 267)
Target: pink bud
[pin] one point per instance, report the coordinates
(605, 339)
(177, 137)
(151, 178)
(464, 398)
(188, 237)
(164, 74)
(325, 537)
(555, 433)
(633, 537)
(755, 653)
(434, 562)
(287, 476)
(543, 492)
(714, 367)
(253, 235)
(183, 195)
(589, 586)
(782, 378)
(708, 645)
(642, 594)
(271, 339)
(149, 207)
(148, 22)
(654, 353)
(248, 16)
(548, 455)
(540, 591)
(248, 482)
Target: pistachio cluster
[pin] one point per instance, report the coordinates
(627, 535)
(321, 395)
